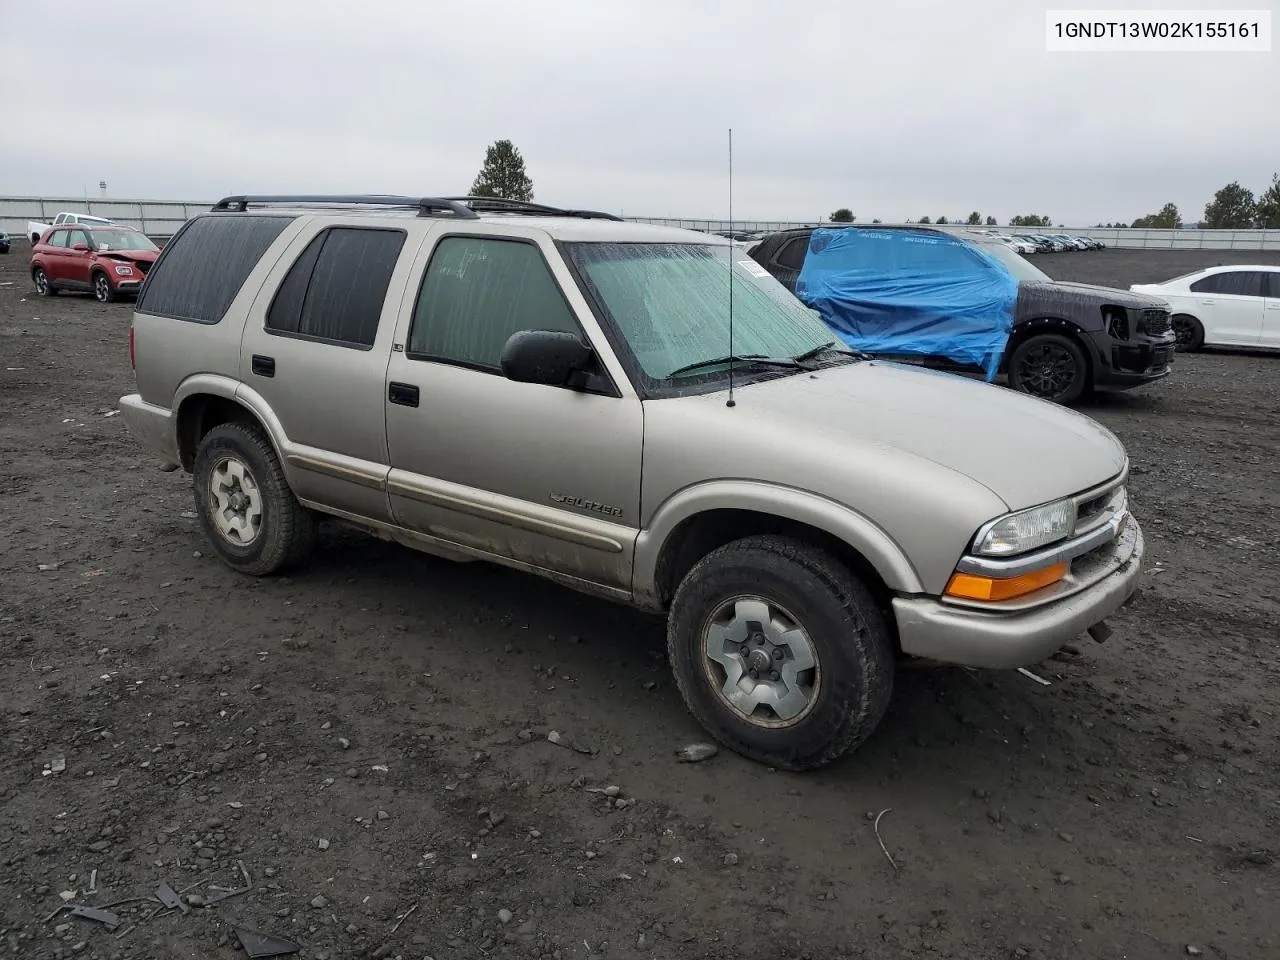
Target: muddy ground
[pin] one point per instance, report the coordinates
(369, 735)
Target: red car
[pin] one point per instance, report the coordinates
(107, 261)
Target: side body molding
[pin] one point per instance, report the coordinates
(787, 502)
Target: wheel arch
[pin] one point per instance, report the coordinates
(1024, 331)
(698, 520)
(206, 401)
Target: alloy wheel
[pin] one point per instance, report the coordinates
(761, 662)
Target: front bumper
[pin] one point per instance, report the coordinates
(1134, 362)
(980, 638)
(153, 427)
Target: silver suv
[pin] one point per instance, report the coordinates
(636, 412)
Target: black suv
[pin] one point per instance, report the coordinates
(1067, 338)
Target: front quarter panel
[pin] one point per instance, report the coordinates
(909, 517)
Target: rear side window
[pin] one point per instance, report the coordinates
(1241, 283)
(58, 238)
(336, 288)
(201, 270)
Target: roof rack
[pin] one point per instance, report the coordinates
(426, 206)
(503, 205)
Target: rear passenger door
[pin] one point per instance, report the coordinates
(315, 348)
(1271, 310)
(548, 477)
(1230, 305)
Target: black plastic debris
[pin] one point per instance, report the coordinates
(169, 897)
(258, 944)
(93, 913)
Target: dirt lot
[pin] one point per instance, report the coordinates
(370, 735)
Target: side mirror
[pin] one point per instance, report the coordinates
(546, 357)
(80, 247)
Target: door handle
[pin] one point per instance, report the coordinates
(263, 366)
(405, 394)
(1210, 302)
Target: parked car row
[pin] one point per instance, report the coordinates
(1025, 243)
(806, 517)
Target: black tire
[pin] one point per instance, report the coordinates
(44, 286)
(851, 644)
(103, 292)
(286, 529)
(1189, 331)
(1051, 367)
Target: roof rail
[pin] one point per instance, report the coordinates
(503, 205)
(426, 206)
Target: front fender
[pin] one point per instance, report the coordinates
(859, 532)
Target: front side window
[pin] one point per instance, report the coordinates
(77, 236)
(336, 288)
(793, 253)
(670, 303)
(1240, 283)
(476, 293)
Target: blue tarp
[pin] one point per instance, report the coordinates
(910, 292)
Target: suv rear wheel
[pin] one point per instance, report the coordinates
(246, 507)
(1049, 366)
(780, 652)
(41, 279)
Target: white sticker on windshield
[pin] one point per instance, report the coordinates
(753, 268)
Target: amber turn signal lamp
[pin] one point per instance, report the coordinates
(969, 586)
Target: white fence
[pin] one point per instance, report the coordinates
(161, 218)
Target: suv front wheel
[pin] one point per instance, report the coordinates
(246, 507)
(780, 652)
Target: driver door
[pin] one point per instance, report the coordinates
(534, 476)
(77, 263)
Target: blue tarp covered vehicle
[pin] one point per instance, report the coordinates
(910, 293)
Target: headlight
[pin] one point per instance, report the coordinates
(1027, 529)
(125, 271)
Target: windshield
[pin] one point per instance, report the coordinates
(1013, 261)
(670, 301)
(120, 238)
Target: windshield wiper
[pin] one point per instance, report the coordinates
(754, 359)
(834, 347)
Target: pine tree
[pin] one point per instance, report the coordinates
(503, 174)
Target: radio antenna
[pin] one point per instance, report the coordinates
(730, 402)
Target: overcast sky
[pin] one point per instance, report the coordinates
(896, 109)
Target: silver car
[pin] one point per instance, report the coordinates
(636, 412)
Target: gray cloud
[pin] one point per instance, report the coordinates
(896, 110)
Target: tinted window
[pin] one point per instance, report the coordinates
(792, 253)
(336, 288)
(1274, 290)
(1244, 283)
(58, 238)
(77, 236)
(200, 271)
(476, 293)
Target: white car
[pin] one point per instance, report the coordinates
(35, 229)
(1017, 244)
(1236, 306)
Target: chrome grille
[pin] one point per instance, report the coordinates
(1096, 506)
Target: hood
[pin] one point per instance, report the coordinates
(136, 256)
(1024, 450)
(1091, 291)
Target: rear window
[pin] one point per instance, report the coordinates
(201, 270)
